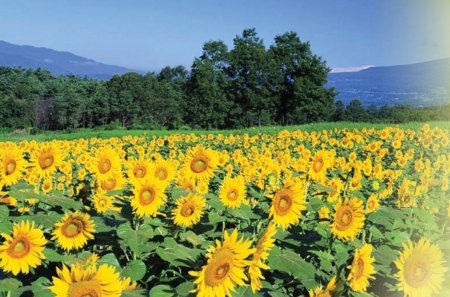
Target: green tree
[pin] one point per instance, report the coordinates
(248, 69)
(298, 79)
(355, 111)
(207, 103)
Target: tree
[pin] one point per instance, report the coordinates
(355, 111)
(297, 80)
(248, 70)
(207, 103)
(339, 111)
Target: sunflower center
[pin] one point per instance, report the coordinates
(344, 218)
(139, 172)
(219, 269)
(109, 184)
(19, 248)
(85, 289)
(104, 166)
(46, 160)
(72, 228)
(359, 268)
(161, 173)
(416, 272)
(232, 195)
(282, 203)
(147, 196)
(102, 203)
(187, 209)
(10, 167)
(318, 165)
(199, 165)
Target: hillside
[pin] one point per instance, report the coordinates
(57, 62)
(426, 83)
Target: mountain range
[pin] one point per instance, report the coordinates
(420, 84)
(57, 62)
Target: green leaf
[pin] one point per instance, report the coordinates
(185, 288)
(52, 255)
(58, 199)
(6, 227)
(214, 218)
(40, 287)
(130, 237)
(290, 262)
(110, 259)
(177, 254)
(245, 212)
(9, 284)
(4, 212)
(134, 293)
(192, 238)
(135, 270)
(162, 291)
(245, 292)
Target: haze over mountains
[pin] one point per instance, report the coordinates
(420, 84)
(57, 62)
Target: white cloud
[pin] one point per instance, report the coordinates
(350, 69)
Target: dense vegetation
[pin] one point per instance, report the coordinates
(249, 85)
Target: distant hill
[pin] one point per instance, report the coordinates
(57, 62)
(420, 84)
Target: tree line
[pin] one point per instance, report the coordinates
(247, 85)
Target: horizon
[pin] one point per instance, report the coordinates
(150, 36)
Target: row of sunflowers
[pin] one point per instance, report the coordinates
(325, 213)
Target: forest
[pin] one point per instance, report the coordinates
(248, 85)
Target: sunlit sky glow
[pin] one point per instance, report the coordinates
(148, 35)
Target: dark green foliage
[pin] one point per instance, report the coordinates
(245, 86)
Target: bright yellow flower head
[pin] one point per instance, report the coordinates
(73, 231)
(348, 219)
(264, 245)
(12, 164)
(189, 210)
(288, 203)
(148, 197)
(233, 192)
(225, 267)
(22, 250)
(361, 269)
(81, 281)
(421, 269)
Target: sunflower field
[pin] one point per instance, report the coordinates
(327, 213)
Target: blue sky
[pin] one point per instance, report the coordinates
(148, 35)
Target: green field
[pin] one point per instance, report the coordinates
(89, 133)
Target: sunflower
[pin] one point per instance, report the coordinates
(105, 165)
(148, 198)
(46, 159)
(22, 250)
(232, 192)
(73, 231)
(361, 270)
(138, 170)
(224, 269)
(115, 182)
(103, 203)
(81, 281)
(287, 204)
(319, 164)
(189, 210)
(348, 219)
(11, 157)
(320, 292)
(421, 269)
(372, 203)
(200, 163)
(264, 245)
(164, 170)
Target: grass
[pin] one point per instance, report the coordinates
(89, 133)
